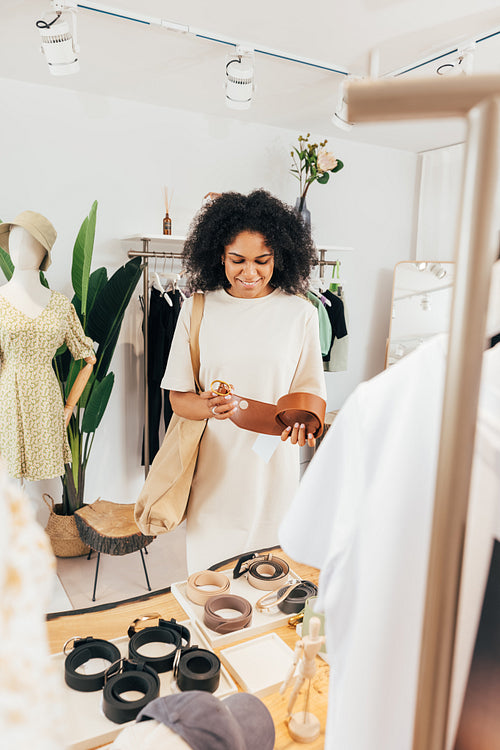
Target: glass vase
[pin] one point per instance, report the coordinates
(303, 211)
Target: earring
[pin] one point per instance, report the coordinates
(222, 261)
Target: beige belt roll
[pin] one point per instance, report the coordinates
(206, 578)
(267, 574)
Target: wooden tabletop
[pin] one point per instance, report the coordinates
(112, 621)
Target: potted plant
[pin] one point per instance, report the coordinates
(100, 303)
(311, 162)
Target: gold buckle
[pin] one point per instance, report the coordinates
(142, 622)
(220, 387)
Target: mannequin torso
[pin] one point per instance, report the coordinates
(24, 290)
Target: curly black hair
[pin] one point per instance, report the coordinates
(218, 224)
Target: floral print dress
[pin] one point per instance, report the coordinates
(33, 439)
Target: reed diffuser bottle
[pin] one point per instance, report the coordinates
(167, 221)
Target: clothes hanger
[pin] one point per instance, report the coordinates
(156, 283)
(315, 286)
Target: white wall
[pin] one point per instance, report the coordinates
(439, 203)
(61, 150)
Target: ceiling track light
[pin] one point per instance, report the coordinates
(462, 64)
(239, 82)
(59, 43)
(339, 117)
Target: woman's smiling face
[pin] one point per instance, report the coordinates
(249, 266)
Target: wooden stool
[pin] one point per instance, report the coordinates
(111, 528)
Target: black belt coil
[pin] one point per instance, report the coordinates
(296, 599)
(167, 631)
(121, 677)
(85, 649)
(197, 669)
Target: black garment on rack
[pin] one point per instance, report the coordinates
(337, 319)
(161, 326)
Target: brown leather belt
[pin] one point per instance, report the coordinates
(220, 624)
(271, 419)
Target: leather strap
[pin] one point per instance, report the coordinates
(85, 649)
(121, 677)
(265, 572)
(206, 578)
(167, 631)
(194, 336)
(296, 599)
(197, 669)
(270, 419)
(275, 598)
(219, 624)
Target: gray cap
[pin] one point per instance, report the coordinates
(239, 722)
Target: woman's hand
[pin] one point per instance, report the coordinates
(220, 407)
(297, 434)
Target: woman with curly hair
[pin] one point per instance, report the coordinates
(251, 256)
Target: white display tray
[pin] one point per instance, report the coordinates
(85, 725)
(261, 621)
(244, 661)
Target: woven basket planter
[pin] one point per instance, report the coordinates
(63, 532)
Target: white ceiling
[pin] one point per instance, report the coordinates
(151, 64)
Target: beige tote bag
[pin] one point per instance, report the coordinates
(162, 503)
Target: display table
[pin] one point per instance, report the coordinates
(112, 621)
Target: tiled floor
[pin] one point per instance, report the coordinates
(120, 577)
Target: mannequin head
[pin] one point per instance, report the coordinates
(26, 252)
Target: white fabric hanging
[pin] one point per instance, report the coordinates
(367, 500)
(31, 713)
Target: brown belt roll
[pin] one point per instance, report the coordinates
(206, 578)
(220, 624)
(270, 419)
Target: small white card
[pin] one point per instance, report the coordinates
(265, 445)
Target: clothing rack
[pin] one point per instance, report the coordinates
(476, 99)
(146, 254)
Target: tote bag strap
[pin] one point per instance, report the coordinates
(194, 335)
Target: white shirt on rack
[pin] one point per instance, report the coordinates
(366, 501)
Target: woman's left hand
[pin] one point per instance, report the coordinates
(297, 434)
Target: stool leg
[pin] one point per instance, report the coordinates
(96, 572)
(145, 569)
(90, 554)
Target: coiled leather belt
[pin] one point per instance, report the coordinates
(295, 600)
(276, 598)
(270, 419)
(85, 649)
(167, 631)
(197, 669)
(121, 677)
(220, 624)
(265, 572)
(206, 578)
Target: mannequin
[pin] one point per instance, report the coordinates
(31, 297)
(304, 726)
(34, 323)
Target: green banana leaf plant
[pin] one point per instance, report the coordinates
(100, 303)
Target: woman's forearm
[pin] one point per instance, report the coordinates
(189, 405)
